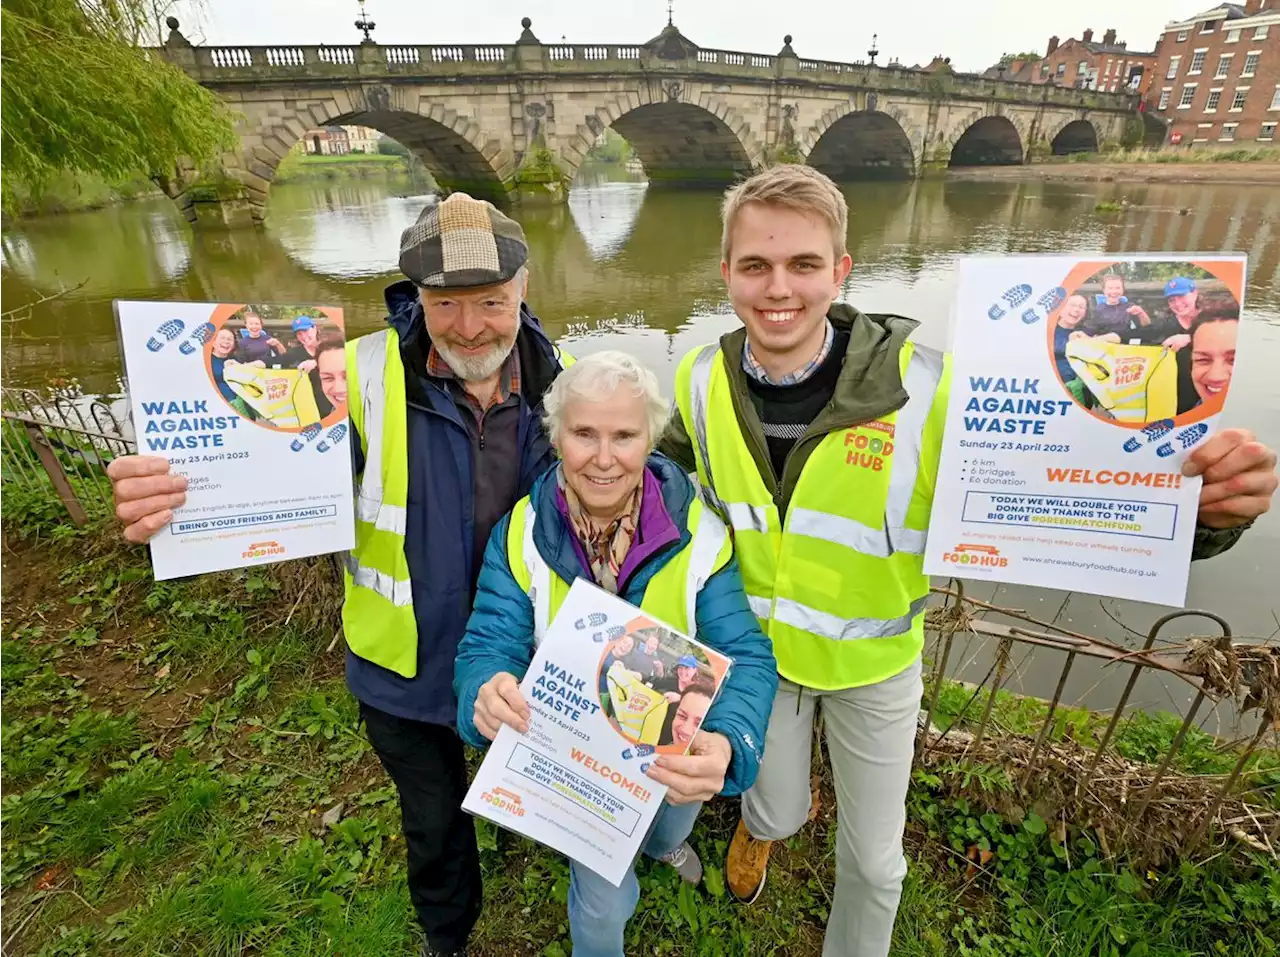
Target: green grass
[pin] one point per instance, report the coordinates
(1240, 154)
(169, 749)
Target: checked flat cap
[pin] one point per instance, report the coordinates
(462, 242)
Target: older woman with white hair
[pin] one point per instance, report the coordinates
(627, 520)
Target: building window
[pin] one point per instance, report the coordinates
(1197, 62)
(1062, 70)
(1082, 68)
(1251, 63)
(1275, 98)
(1237, 102)
(1107, 71)
(1267, 132)
(1211, 104)
(1172, 72)
(1224, 66)
(1182, 36)
(1260, 33)
(1208, 26)
(1044, 71)
(1233, 36)
(1228, 133)
(1188, 94)
(1168, 90)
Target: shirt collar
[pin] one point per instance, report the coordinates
(753, 368)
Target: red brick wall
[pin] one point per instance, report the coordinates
(1197, 123)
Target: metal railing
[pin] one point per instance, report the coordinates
(61, 444)
(1169, 810)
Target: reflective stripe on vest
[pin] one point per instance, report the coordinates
(671, 595)
(377, 611)
(802, 590)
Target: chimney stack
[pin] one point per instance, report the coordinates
(1087, 36)
(1053, 45)
(1109, 38)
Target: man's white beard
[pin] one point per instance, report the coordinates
(476, 368)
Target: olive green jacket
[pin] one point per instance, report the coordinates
(869, 387)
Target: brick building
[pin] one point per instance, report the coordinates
(1217, 76)
(1108, 66)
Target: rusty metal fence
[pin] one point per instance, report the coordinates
(61, 444)
(1146, 806)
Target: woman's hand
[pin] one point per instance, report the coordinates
(500, 702)
(698, 775)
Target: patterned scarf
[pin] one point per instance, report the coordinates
(606, 548)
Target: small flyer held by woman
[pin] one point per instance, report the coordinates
(249, 403)
(1080, 386)
(608, 688)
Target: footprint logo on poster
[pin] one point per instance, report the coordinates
(165, 333)
(1190, 436)
(305, 436)
(204, 332)
(336, 435)
(600, 637)
(593, 620)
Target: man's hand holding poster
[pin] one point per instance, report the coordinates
(1081, 386)
(608, 689)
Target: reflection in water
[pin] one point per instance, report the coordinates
(624, 267)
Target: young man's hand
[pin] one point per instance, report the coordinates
(500, 702)
(1239, 478)
(145, 493)
(698, 775)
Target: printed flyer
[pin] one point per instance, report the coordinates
(1081, 385)
(249, 402)
(608, 688)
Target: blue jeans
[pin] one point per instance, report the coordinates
(598, 911)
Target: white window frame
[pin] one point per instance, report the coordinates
(1245, 72)
(1182, 36)
(1228, 134)
(1266, 136)
(1061, 71)
(1275, 98)
(1171, 72)
(1185, 101)
(1260, 33)
(1211, 104)
(1166, 95)
(1233, 36)
(1107, 71)
(1201, 54)
(1241, 94)
(1224, 66)
(1208, 26)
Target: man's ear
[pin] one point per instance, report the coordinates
(843, 268)
(724, 271)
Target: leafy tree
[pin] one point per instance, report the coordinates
(389, 147)
(81, 95)
(1007, 58)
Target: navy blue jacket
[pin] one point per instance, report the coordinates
(500, 634)
(438, 521)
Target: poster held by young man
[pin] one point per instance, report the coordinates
(1065, 439)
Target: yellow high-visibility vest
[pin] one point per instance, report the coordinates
(671, 595)
(1136, 384)
(377, 612)
(838, 583)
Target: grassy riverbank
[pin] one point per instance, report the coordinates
(184, 774)
(73, 193)
(309, 168)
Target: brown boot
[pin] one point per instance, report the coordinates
(747, 864)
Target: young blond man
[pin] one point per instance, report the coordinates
(816, 431)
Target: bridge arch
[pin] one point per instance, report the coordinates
(849, 144)
(1075, 136)
(679, 142)
(990, 140)
(452, 146)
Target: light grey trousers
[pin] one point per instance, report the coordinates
(870, 737)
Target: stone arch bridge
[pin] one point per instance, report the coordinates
(516, 120)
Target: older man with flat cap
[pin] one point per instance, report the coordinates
(446, 402)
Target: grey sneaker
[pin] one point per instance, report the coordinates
(685, 860)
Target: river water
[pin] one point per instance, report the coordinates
(625, 267)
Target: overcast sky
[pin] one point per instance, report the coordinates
(974, 33)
